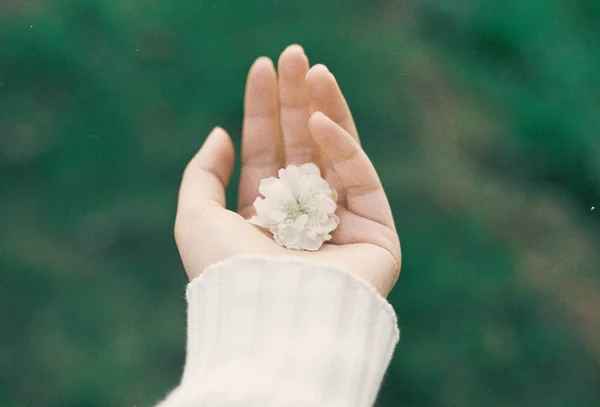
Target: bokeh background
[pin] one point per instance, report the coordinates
(482, 116)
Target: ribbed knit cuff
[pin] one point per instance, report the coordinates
(285, 332)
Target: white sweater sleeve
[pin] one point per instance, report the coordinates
(283, 332)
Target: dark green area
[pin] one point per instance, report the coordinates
(483, 118)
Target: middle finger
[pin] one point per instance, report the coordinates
(298, 145)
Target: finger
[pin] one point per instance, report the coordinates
(207, 174)
(364, 193)
(326, 96)
(261, 144)
(298, 145)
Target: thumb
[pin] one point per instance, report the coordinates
(207, 174)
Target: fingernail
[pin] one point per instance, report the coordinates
(263, 61)
(214, 133)
(321, 66)
(212, 141)
(262, 71)
(297, 47)
(313, 116)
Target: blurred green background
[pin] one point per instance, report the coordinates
(482, 117)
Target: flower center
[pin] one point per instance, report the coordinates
(294, 208)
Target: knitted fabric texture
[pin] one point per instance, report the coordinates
(284, 332)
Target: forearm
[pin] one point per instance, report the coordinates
(284, 332)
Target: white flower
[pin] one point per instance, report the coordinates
(298, 207)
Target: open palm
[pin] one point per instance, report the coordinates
(294, 116)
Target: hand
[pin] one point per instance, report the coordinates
(296, 116)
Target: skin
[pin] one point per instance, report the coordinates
(293, 116)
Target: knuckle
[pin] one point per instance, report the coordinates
(300, 152)
(348, 155)
(361, 189)
(260, 158)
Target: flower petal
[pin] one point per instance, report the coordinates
(311, 244)
(298, 207)
(300, 222)
(310, 168)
